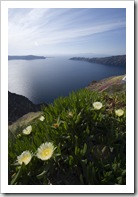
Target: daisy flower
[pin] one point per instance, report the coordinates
(25, 157)
(119, 112)
(42, 118)
(97, 105)
(28, 130)
(45, 151)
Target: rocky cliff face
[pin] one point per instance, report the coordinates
(18, 106)
(119, 60)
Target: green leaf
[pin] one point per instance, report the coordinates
(119, 180)
(41, 175)
(84, 149)
(87, 131)
(65, 125)
(84, 161)
(81, 179)
(17, 175)
(104, 149)
(70, 160)
(76, 150)
(124, 173)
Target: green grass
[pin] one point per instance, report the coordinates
(90, 144)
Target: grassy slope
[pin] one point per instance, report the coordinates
(110, 85)
(90, 143)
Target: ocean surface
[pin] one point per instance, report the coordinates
(47, 79)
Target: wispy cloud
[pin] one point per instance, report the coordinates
(29, 28)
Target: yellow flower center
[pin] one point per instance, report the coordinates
(26, 157)
(45, 152)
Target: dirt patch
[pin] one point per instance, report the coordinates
(24, 120)
(108, 83)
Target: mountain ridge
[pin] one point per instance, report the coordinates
(118, 60)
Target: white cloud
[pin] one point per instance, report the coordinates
(52, 26)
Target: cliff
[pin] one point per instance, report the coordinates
(119, 60)
(18, 106)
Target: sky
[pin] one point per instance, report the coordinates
(65, 31)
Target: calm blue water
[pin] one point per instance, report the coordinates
(45, 80)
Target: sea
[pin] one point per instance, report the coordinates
(44, 80)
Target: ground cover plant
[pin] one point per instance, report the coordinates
(79, 139)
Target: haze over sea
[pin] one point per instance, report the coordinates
(46, 79)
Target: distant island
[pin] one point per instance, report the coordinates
(25, 57)
(119, 60)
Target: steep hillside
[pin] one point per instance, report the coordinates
(119, 60)
(79, 140)
(111, 84)
(18, 106)
(24, 120)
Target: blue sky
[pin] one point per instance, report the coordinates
(67, 31)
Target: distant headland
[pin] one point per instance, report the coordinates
(25, 57)
(119, 60)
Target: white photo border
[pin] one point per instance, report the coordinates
(129, 187)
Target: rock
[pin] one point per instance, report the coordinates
(19, 105)
(118, 60)
(124, 79)
(24, 121)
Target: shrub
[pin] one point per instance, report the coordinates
(89, 144)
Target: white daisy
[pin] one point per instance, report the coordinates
(119, 112)
(45, 151)
(97, 105)
(28, 130)
(25, 157)
(42, 118)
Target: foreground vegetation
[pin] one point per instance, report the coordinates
(80, 139)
